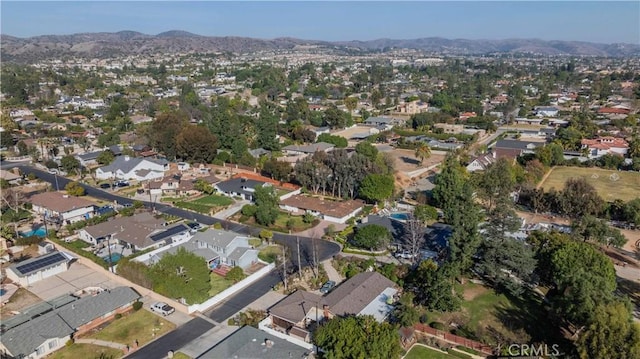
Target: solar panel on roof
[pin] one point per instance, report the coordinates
(169, 232)
(41, 262)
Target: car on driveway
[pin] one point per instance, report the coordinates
(162, 308)
(326, 288)
(105, 185)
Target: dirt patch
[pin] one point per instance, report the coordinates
(406, 160)
(21, 299)
(471, 293)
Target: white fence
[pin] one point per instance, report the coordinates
(230, 291)
(265, 325)
(290, 194)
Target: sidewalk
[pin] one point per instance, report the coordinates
(102, 343)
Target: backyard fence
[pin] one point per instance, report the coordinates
(452, 338)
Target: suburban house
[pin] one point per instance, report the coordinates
(249, 342)
(613, 111)
(333, 211)
(133, 168)
(382, 123)
(481, 163)
(171, 186)
(36, 269)
(239, 187)
(511, 149)
(605, 146)
(10, 177)
(545, 111)
(48, 326)
(88, 159)
(218, 248)
(413, 107)
(295, 317)
(305, 150)
(61, 208)
(139, 232)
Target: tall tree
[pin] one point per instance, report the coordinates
(579, 198)
(165, 130)
(377, 188)
(612, 333)
(266, 200)
(196, 144)
(431, 285)
(423, 152)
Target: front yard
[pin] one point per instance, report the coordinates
(205, 205)
(88, 351)
(218, 284)
(284, 223)
(141, 325)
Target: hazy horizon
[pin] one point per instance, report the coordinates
(598, 22)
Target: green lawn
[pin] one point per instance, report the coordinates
(281, 222)
(181, 355)
(86, 351)
(486, 315)
(255, 242)
(214, 200)
(206, 205)
(270, 253)
(141, 325)
(420, 352)
(626, 188)
(218, 284)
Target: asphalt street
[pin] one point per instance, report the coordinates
(174, 340)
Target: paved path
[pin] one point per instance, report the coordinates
(102, 343)
(226, 213)
(332, 272)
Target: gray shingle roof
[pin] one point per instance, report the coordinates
(517, 145)
(89, 308)
(352, 296)
(238, 185)
(26, 338)
(126, 163)
(250, 343)
(312, 148)
(295, 307)
(216, 237)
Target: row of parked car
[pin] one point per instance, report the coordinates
(120, 184)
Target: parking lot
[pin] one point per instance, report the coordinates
(76, 278)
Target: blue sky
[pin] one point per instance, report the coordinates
(605, 22)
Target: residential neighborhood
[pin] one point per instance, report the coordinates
(207, 195)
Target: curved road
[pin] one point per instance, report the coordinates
(197, 326)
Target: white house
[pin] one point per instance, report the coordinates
(133, 168)
(61, 208)
(36, 269)
(481, 163)
(605, 146)
(546, 111)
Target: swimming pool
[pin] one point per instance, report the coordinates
(115, 257)
(40, 232)
(400, 216)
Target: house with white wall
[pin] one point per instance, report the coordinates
(36, 269)
(133, 168)
(62, 208)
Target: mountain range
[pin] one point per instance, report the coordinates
(15, 49)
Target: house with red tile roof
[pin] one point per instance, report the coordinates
(601, 146)
(613, 111)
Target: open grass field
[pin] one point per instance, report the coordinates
(610, 184)
(141, 325)
(86, 351)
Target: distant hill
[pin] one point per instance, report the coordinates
(131, 42)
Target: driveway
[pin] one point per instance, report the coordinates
(76, 278)
(226, 213)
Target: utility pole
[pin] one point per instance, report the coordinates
(55, 175)
(299, 262)
(284, 266)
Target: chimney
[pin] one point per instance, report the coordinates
(127, 158)
(268, 343)
(325, 311)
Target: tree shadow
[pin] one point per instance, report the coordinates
(410, 160)
(529, 314)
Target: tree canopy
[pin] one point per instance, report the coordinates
(372, 237)
(356, 337)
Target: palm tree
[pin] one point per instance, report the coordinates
(423, 152)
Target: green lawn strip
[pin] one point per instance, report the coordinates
(200, 208)
(141, 325)
(420, 352)
(86, 351)
(214, 201)
(269, 253)
(255, 242)
(625, 187)
(218, 284)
